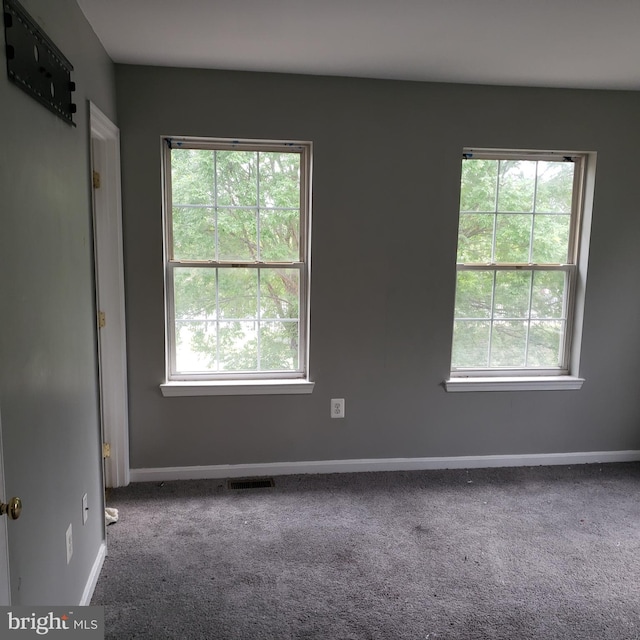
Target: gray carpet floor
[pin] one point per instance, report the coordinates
(513, 554)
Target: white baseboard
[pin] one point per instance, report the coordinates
(376, 464)
(94, 575)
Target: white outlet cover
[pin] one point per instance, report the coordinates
(85, 508)
(337, 407)
(69, 543)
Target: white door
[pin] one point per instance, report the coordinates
(5, 588)
(109, 265)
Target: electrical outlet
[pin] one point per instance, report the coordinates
(85, 508)
(69, 543)
(337, 407)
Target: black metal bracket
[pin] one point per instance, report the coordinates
(35, 64)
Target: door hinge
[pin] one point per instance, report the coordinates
(102, 319)
(106, 450)
(96, 180)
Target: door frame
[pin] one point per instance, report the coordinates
(110, 296)
(5, 578)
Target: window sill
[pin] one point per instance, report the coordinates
(531, 383)
(235, 388)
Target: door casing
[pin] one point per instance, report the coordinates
(110, 298)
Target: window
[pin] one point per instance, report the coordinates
(237, 217)
(519, 237)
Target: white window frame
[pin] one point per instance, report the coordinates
(233, 383)
(566, 376)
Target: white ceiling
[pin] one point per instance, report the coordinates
(554, 43)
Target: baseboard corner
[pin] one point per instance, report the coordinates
(94, 574)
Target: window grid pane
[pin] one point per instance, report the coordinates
(505, 311)
(233, 214)
(522, 206)
(528, 302)
(223, 210)
(245, 305)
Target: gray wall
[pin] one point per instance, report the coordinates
(385, 195)
(48, 366)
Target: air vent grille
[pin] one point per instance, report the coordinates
(250, 483)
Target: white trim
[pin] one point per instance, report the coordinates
(236, 388)
(518, 154)
(528, 383)
(90, 587)
(379, 464)
(583, 261)
(109, 266)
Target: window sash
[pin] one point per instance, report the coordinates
(302, 265)
(172, 324)
(571, 273)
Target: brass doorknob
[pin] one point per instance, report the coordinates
(13, 508)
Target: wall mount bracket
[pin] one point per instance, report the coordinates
(35, 64)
